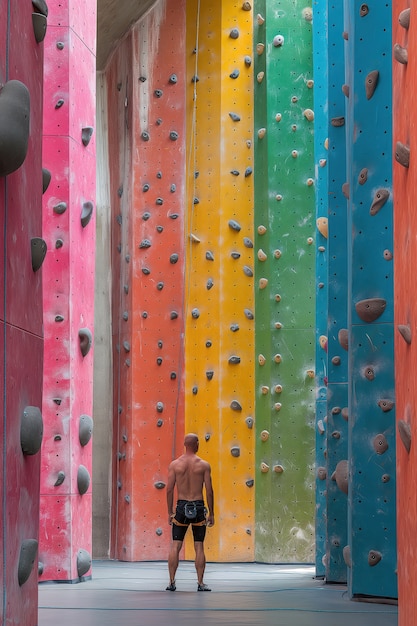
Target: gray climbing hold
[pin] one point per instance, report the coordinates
(195, 79)
(31, 430)
(234, 360)
(59, 103)
(160, 423)
(159, 484)
(195, 390)
(83, 480)
(145, 135)
(209, 374)
(208, 344)
(235, 255)
(249, 314)
(174, 258)
(235, 405)
(234, 74)
(173, 315)
(371, 82)
(160, 407)
(234, 225)
(374, 557)
(27, 557)
(248, 61)
(404, 18)
(86, 134)
(146, 187)
(38, 252)
(249, 422)
(370, 309)
(380, 198)
(59, 318)
(235, 451)
(14, 125)
(234, 327)
(159, 229)
(173, 79)
(402, 154)
(250, 482)
(248, 172)
(86, 340)
(380, 444)
(146, 271)
(145, 243)
(158, 93)
(400, 54)
(209, 283)
(234, 33)
(60, 45)
(173, 188)
(40, 6)
(195, 314)
(248, 243)
(57, 401)
(209, 255)
(85, 429)
(173, 135)
(60, 479)
(146, 216)
(86, 213)
(83, 562)
(248, 271)
(159, 531)
(235, 117)
(405, 332)
(60, 208)
(46, 179)
(40, 568)
(386, 405)
(404, 430)
(160, 285)
(39, 23)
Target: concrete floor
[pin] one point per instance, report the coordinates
(244, 594)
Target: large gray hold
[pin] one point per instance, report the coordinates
(14, 126)
(28, 552)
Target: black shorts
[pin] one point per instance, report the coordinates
(179, 529)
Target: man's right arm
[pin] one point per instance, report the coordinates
(209, 495)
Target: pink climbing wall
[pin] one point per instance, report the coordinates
(21, 341)
(405, 258)
(69, 229)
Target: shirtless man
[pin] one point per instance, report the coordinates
(189, 473)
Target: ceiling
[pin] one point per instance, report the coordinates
(114, 19)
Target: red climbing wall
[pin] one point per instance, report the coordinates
(405, 259)
(69, 229)
(146, 87)
(21, 343)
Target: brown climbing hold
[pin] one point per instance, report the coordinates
(86, 213)
(346, 190)
(264, 390)
(278, 469)
(246, 6)
(264, 468)
(363, 10)
(261, 359)
(404, 430)
(260, 19)
(345, 413)
(374, 557)
(342, 475)
(386, 405)
(400, 54)
(261, 229)
(404, 18)
(380, 444)
(370, 309)
(369, 373)
(86, 340)
(347, 556)
(264, 435)
(309, 114)
(388, 255)
(277, 358)
(260, 76)
(343, 337)
(323, 226)
(402, 154)
(337, 121)
(321, 473)
(380, 198)
(371, 82)
(405, 332)
(263, 282)
(363, 176)
(261, 133)
(260, 47)
(346, 90)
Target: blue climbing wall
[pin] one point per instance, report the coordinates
(371, 552)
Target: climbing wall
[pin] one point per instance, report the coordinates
(69, 230)
(371, 550)
(21, 344)
(219, 302)
(405, 173)
(285, 282)
(146, 87)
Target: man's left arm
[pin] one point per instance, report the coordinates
(170, 493)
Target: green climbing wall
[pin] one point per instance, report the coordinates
(285, 281)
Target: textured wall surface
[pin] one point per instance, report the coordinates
(405, 227)
(21, 343)
(69, 229)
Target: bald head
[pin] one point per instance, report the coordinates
(191, 442)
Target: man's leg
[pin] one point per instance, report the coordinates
(200, 565)
(173, 560)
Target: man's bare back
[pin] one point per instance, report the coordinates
(190, 473)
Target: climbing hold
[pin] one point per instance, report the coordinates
(209, 255)
(234, 116)
(145, 136)
(262, 255)
(346, 90)
(248, 61)
(14, 125)
(264, 435)
(247, 271)
(194, 239)
(336, 434)
(337, 121)
(173, 135)
(234, 33)
(146, 271)
(402, 154)
(260, 76)
(249, 422)
(195, 79)
(60, 208)
(400, 54)
(83, 480)
(309, 114)
(159, 201)
(404, 430)
(234, 225)
(39, 23)
(323, 226)
(345, 413)
(60, 479)
(41, 7)
(59, 318)
(260, 19)
(146, 187)
(277, 254)
(86, 134)
(173, 188)
(38, 252)
(277, 406)
(235, 405)
(234, 360)
(248, 243)
(385, 478)
(404, 18)
(264, 468)
(261, 133)
(173, 258)
(248, 314)
(86, 213)
(336, 360)
(370, 309)
(248, 172)
(380, 198)
(386, 405)
(374, 557)
(46, 179)
(347, 556)
(235, 172)
(246, 6)
(380, 444)
(405, 332)
(336, 410)
(320, 427)
(321, 473)
(278, 469)
(277, 358)
(371, 82)
(209, 284)
(260, 47)
(59, 103)
(86, 340)
(85, 429)
(294, 154)
(145, 243)
(342, 475)
(234, 74)
(264, 390)
(310, 373)
(209, 374)
(263, 282)
(261, 229)
(234, 328)
(60, 45)
(363, 10)
(278, 41)
(173, 79)
(83, 562)
(250, 482)
(195, 313)
(388, 255)
(159, 484)
(27, 557)
(160, 407)
(235, 451)
(31, 430)
(363, 176)
(369, 373)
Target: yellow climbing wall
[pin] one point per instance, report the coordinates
(219, 301)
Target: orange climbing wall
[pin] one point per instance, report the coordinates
(146, 87)
(405, 259)
(219, 272)
(69, 230)
(21, 342)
